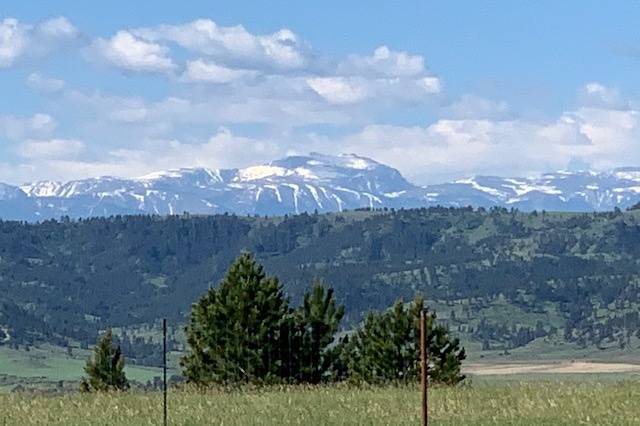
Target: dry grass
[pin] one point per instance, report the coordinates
(534, 403)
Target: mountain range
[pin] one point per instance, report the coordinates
(314, 182)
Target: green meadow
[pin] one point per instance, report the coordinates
(45, 367)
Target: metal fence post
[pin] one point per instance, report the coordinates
(424, 365)
(164, 368)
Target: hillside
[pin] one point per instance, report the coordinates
(500, 278)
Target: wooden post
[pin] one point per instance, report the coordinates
(424, 366)
(164, 368)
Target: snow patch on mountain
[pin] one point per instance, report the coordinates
(261, 172)
(475, 185)
(42, 189)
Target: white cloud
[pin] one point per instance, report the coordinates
(384, 63)
(51, 149)
(390, 91)
(19, 40)
(567, 130)
(232, 45)
(595, 94)
(57, 28)
(273, 103)
(43, 84)
(62, 159)
(339, 90)
(386, 77)
(13, 41)
(272, 80)
(202, 71)
(445, 148)
(223, 149)
(430, 85)
(131, 53)
(18, 128)
(42, 122)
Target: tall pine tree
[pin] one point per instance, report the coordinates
(234, 331)
(318, 319)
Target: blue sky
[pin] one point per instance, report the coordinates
(439, 90)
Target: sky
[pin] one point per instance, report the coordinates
(440, 90)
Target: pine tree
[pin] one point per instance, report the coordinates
(105, 372)
(318, 319)
(386, 348)
(234, 331)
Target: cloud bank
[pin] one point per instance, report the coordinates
(230, 97)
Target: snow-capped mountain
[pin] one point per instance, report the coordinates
(560, 191)
(308, 183)
(291, 185)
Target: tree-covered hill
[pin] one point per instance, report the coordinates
(501, 277)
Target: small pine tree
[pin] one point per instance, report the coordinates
(105, 371)
(385, 349)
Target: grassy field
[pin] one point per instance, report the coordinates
(43, 367)
(482, 403)
(523, 388)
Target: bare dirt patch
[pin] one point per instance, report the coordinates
(562, 367)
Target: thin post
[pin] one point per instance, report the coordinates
(424, 366)
(164, 368)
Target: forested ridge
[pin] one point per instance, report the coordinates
(502, 277)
